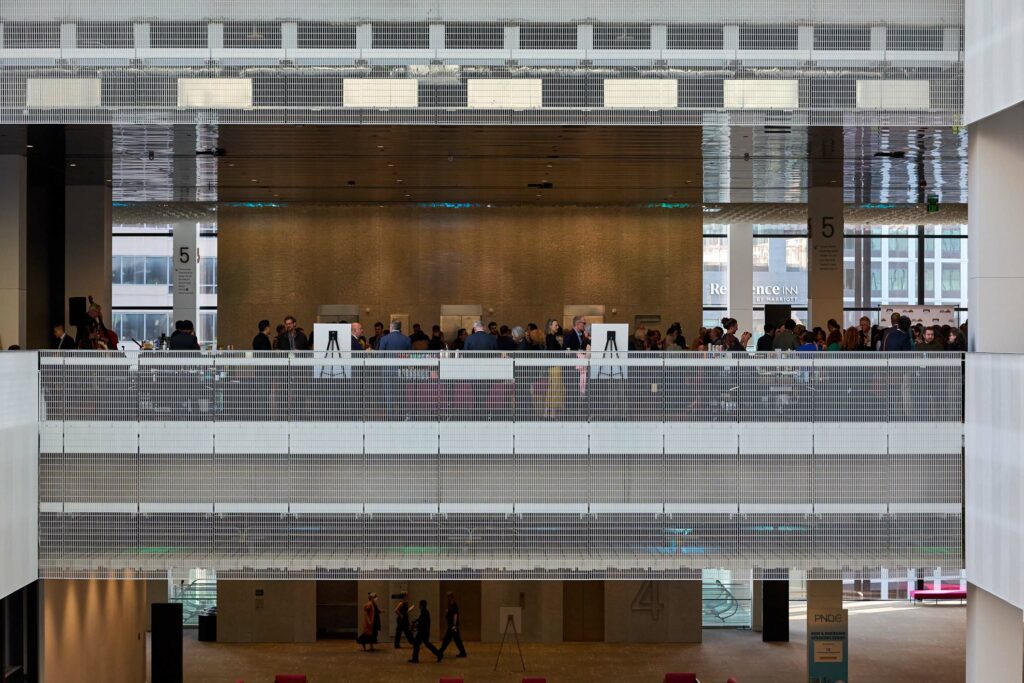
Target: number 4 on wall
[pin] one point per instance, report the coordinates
(648, 600)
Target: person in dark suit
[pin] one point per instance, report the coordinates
(261, 342)
(453, 631)
(576, 339)
(357, 337)
(402, 621)
(519, 339)
(480, 340)
(421, 629)
(766, 340)
(505, 340)
(292, 338)
(395, 340)
(184, 337)
(64, 341)
(898, 339)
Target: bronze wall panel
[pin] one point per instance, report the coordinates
(524, 262)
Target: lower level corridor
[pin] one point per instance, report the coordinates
(890, 642)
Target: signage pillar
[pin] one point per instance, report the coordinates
(741, 277)
(13, 238)
(185, 258)
(825, 226)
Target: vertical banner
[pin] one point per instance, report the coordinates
(185, 260)
(827, 646)
(825, 254)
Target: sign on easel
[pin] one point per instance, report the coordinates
(333, 341)
(827, 646)
(609, 342)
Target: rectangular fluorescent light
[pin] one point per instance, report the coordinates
(641, 93)
(378, 93)
(215, 93)
(62, 92)
(761, 94)
(893, 94)
(504, 93)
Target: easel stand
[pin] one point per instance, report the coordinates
(510, 624)
(611, 350)
(333, 351)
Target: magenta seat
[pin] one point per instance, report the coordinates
(731, 680)
(535, 680)
(290, 678)
(680, 678)
(451, 680)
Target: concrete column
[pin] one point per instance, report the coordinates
(364, 36)
(995, 638)
(741, 276)
(266, 611)
(659, 37)
(995, 165)
(437, 37)
(878, 38)
(584, 37)
(141, 33)
(13, 238)
(289, 35)
(653, 611)
(215, 36)
(825, 226)
(805, 38)
(88, 220)
(511, 38)
(730, 37)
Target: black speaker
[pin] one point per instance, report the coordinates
(777, 314)
(77, 311)
(775, 611)
(167, 664)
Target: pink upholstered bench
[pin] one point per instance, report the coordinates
(939, 592)
(681, 678)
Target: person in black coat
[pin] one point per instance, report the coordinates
(64, 341)
(576, 339)
(261, 342)
(421, 629)
(480, 340)
(184, 337)
(292, 338)
(899, 338)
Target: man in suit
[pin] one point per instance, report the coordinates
(292, 338)
(898, 338)
(378, 334)
(357, 336)
(765, 341)
(395, 340)
(64, 341)
(480, 340)
(421, 627)
(576, 339)
(261, 342)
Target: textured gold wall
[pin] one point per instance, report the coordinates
(526, 263)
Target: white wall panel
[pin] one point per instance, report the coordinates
(761, 94)
(642, 93)
(994, 53)
(776, 437)
(251, 437)
(62, 92)
(401, 437)
(114, 436)
(893, 94)
(215, 93)
(19, 467)
(701, 437)
(476, 437)
(380, 92)
(325, 437)
(176, 437)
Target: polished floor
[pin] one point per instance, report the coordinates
(892, 642)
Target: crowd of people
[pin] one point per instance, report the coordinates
(416, 631)
(790, 336)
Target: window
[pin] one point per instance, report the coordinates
(762, 254)
(178, 34)
(842, 37)
(951, 248)
(622, 37)
(899, 282)
(694, 37)
(769, 37)
(252, 35)
(394, 36)
(470, 36)
(796, 255)
(322, 35)
(158, 270)
(898, 248)
(547, 37)
(105, 34)
(208, 275)
(951, 281)
(913, 38)
(31, 34)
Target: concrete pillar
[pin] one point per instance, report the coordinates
(741, 276)
(13, 237)
(757, 607)
(141, 34)
(653, 611)
(825, 226)
(995, 638)
(266, 611)
(88, 219)
(824, 594)
(289, 35)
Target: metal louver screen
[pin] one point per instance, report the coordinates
(694, 37)
(622, 37)
(322, 35)
(547, 37)
(914, 38)
(393, 36)
(105, 35)
(179, 34)
(842, 37)
(19, 35)
(252, 35)
(769, 37)
(474, 36)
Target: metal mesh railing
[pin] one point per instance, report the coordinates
(544, 464)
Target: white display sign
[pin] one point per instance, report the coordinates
(334, 341)
(928, 316)
(186, 271)
(609, 342)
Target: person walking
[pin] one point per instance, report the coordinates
(453, 629)
(402, 620)
(421, 627)
(371, 623)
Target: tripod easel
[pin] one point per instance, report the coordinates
(510, 623)
(333, 350)
(611, 350)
